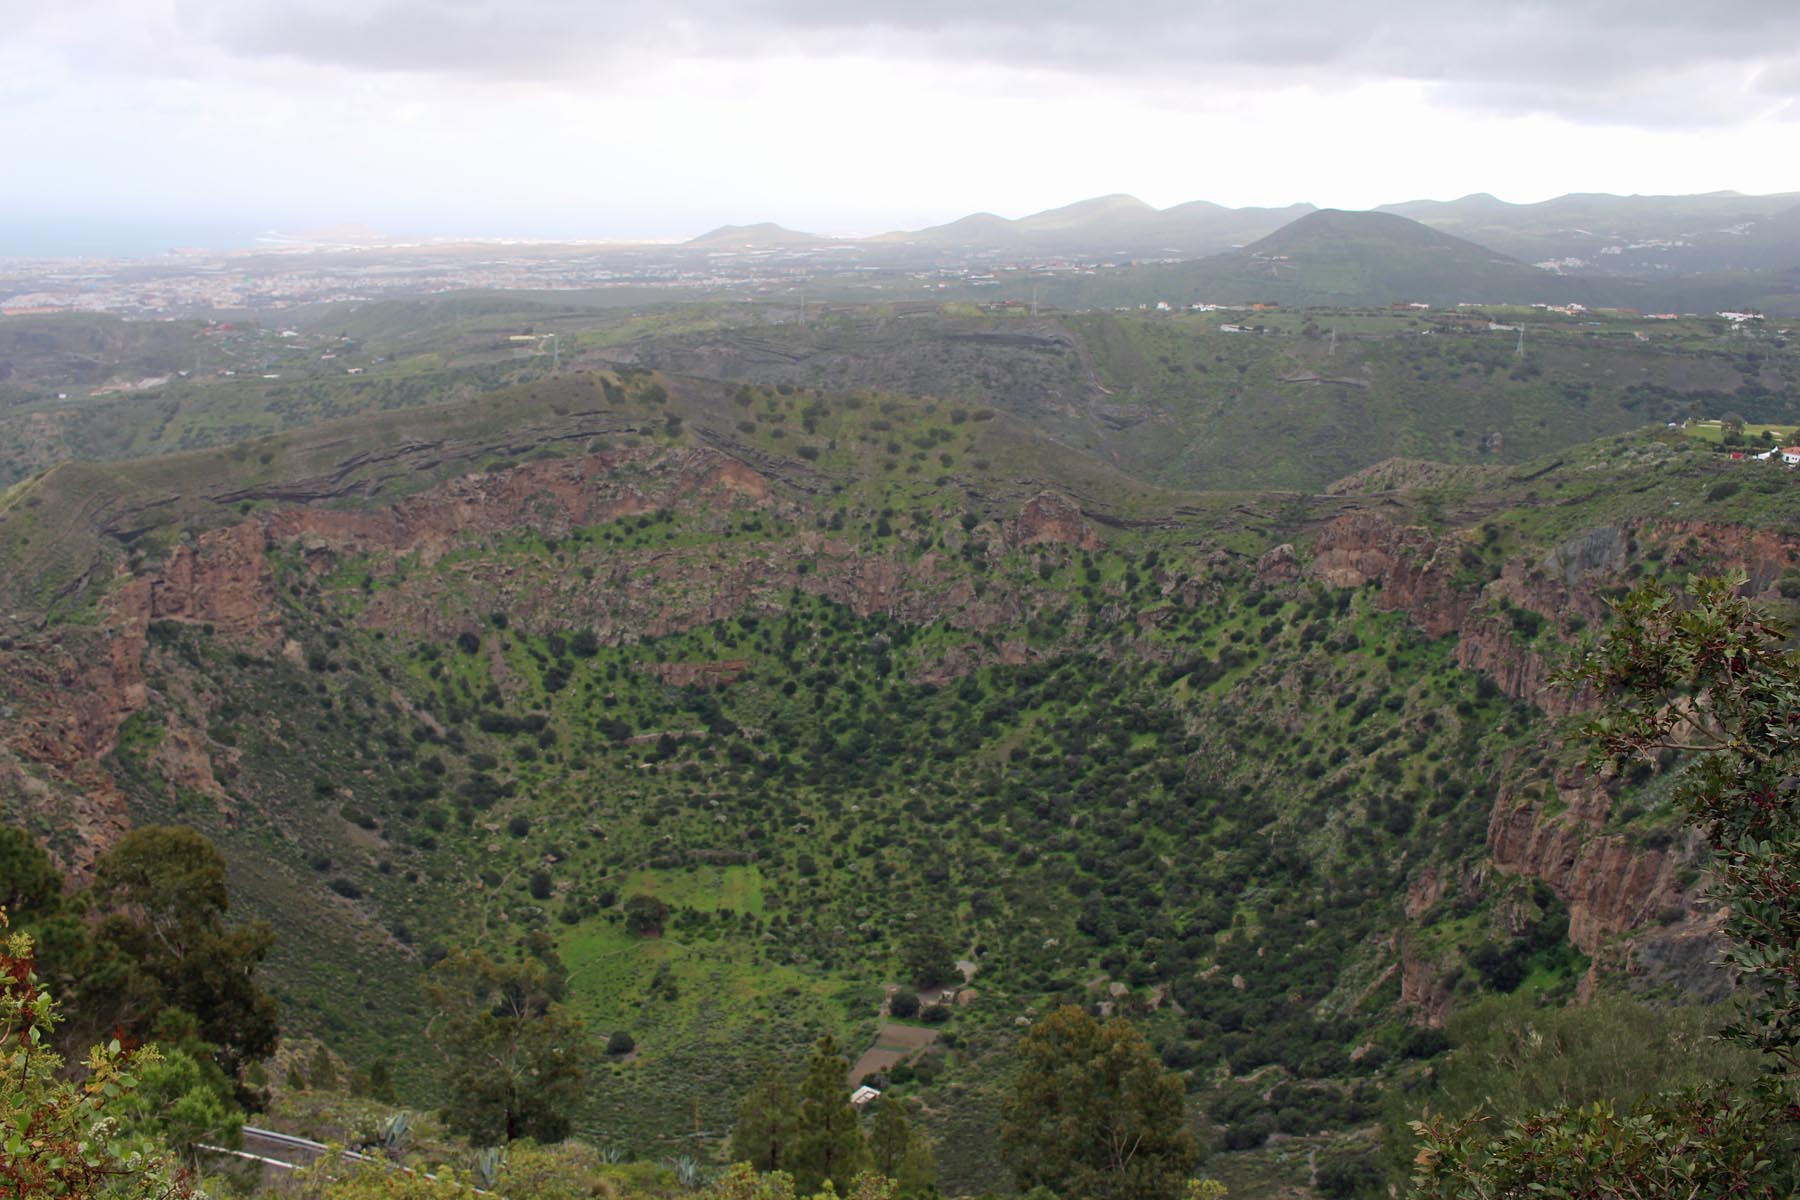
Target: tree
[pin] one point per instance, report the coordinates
(182, 1102)
(61, 1135)
(1093, 1114)
(645, 914)
(164, 948)
(889, 1136)
(928, 959)
(901, 1151)
(828, 1144)
(31, 891)
(1711, 677)
(323, 1072)
(766, 1120)
(30, 885)
(514, 1060)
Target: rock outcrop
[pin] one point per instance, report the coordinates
(1413, 569)
(1050, 517)
(550, 498)
(1609, 884)
(1613, 885)
(220, 579)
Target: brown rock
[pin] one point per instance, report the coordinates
(1278, 565)
(704, 673)
(1050, 517)
(1609, 885)
(1424, 990)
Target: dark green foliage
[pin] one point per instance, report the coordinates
(515, 1061)
(644, 915)
(928, 959)
(1351, 1173)
(1092, 1113)
(900, 1150)
(764, 1131)
(31, 888)
(164, 949)
(827, 1143)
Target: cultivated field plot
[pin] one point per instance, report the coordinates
(894, 1044)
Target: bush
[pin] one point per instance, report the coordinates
(620, 1043)
(1347, 1173)
(904, 1004)
(644, 915)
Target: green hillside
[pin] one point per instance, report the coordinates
(1162, 694)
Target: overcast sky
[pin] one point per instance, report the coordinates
(594, 119)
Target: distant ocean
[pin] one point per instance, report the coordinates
(79, 238)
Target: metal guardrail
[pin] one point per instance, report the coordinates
(289, 1141)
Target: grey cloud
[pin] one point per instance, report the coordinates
(1645, 62)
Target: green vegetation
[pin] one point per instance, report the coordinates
(82, 1134)
(1094, 1114)
(1715, 677)
(631, 739)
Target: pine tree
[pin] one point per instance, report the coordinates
(917, 1176)
(765, 1124)
(902, 1151)
(888, 1137)
(828, 1143)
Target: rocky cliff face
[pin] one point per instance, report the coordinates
(70, 691)
(1612, 885)
(1414, 570)
(549, 498)
(1052, 518)
(220, 579)
(68, 694)
(1431, 580)
(1609, 884)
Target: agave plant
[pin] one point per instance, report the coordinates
(688, 1172)
(487, 1167)
(612, 1155)
(394, 1130)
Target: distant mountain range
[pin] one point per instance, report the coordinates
(1107, 225)
(1574, 235)
(1627, 235)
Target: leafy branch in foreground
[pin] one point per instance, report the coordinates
(1717, 676)
(59, 1136)
(1711, 676)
